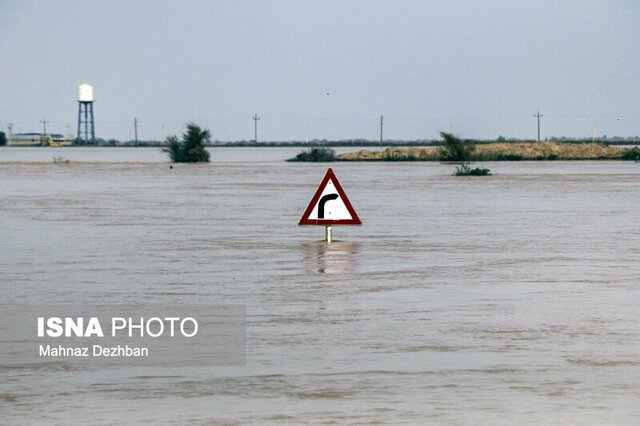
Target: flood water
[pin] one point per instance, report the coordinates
(513, 298)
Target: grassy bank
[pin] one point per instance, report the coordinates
(502, 152)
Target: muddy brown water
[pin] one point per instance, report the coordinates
(506, 299)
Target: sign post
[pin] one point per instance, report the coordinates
(329, 206)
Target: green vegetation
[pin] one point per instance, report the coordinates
(455, 149)
(458, 150)
(191, 148)
(632, 154)
(465, 170)
(316, 155)
(3, 139)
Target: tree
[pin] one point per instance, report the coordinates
(455, 149)
(191, 149)
(3, 139)
(458, 150)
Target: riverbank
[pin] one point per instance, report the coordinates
(503, 152)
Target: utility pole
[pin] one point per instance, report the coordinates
(44, 122)
(381, 127)
(135, 130)
(255, 127)
(538, 115)
(10, 127)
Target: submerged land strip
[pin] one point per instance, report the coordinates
(509, 151)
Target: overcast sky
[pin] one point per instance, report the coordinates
(324, 69)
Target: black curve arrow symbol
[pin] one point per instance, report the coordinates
(322, 202)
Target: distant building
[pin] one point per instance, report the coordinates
(38, 139)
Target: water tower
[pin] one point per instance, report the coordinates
(86, 127)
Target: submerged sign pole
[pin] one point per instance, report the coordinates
(328, 234)
(329, 206)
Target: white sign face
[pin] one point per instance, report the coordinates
(330, 205)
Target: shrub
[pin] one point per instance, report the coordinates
(465, 170)
(553, 157)
(509, 157)
(191, 148)
(631, 154)
(316, 155)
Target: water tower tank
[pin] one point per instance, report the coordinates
(85, 93)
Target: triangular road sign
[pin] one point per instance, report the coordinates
(330, 205)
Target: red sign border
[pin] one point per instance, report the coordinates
(304, 220)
